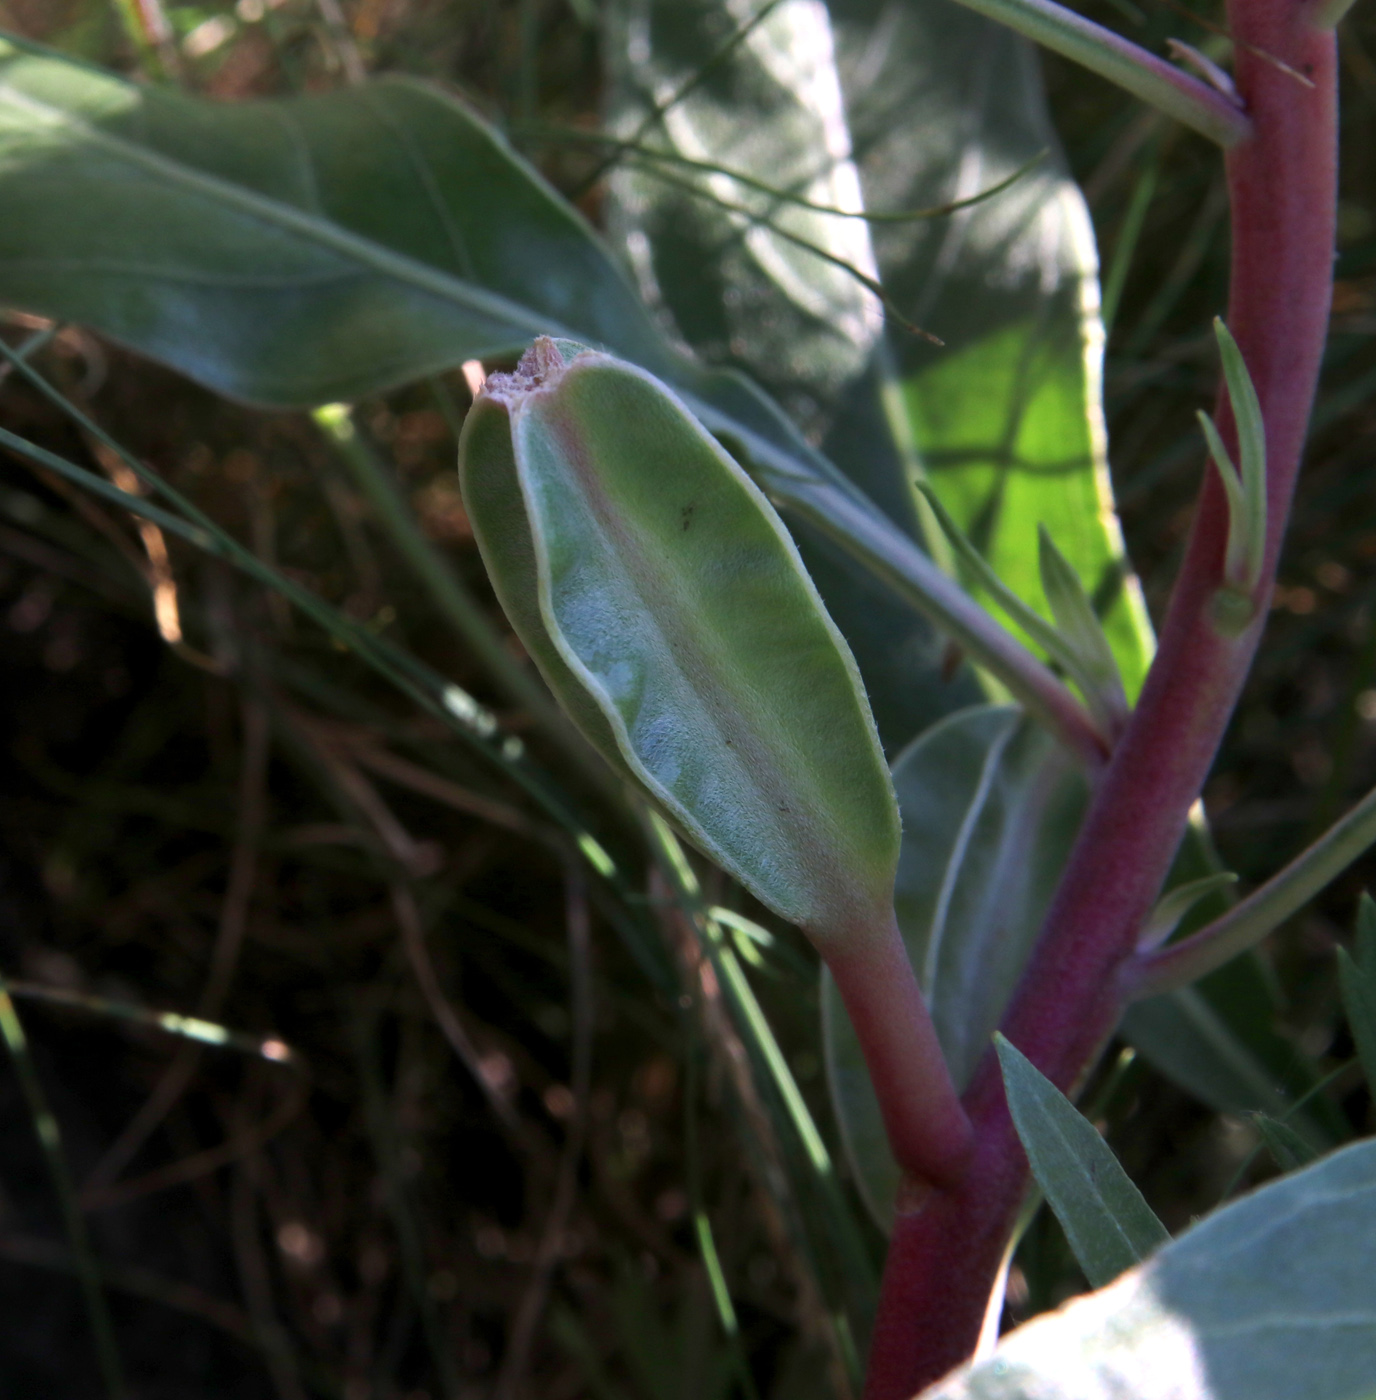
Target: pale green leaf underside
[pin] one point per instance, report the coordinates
(678, 604)
(1271, 1298)
(990, 808)
(1109, 1226)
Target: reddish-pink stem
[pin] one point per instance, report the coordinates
(925, 1124)
(1282, 185)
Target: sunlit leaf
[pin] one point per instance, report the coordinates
(1007, 418)
(1272, 1298)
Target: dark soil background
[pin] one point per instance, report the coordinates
(424, 1202)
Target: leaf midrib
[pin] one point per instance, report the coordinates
(284, 216)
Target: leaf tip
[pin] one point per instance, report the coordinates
(541, 367)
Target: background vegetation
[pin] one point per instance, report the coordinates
(523, 1144)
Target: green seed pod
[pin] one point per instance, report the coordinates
(668, 609)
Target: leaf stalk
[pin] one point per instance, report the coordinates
(1129, 66)
(1263, 911)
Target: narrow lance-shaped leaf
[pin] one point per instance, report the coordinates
(1358, 979)
(1109, 1226)
(1074, 614)
(1288, 1148)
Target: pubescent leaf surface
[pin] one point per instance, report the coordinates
(1109, 1225)
(681, 614)
(1271, 1298)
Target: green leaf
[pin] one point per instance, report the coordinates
(1173, 906)
(304, 250)
(1109, 1226)
(990, 808)
(313, 249)
(670, 612)
(293, 251)
(1183, 1036)
(1271, 1298)
(1357, 977)
(720, 259)
(1006, 419)
(1076, 622)
(1218, 1040)
(733, 284)
(1288, 1148)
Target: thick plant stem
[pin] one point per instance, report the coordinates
(1282, 185)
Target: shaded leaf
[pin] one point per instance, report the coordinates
(1357, 977)
(1184, 1036)
(1271, 1298)
(1109, 1226)
(292, 251)
(990, 807)
(1288, 1148)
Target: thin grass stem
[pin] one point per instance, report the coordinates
(50, 1138)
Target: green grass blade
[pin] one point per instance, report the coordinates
(50, 1138)
(1357, 978)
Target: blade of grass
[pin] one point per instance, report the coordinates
(702, 1230)
(437, 696)
(410, 1241)
(337, 426)
(50, 1138)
